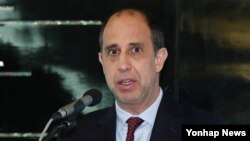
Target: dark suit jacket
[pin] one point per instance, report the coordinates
(101, 125)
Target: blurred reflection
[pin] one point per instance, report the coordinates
(214, 56)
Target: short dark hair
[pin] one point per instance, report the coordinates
(154, 26)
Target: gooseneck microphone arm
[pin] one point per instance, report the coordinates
(90, 98)
(66, 124)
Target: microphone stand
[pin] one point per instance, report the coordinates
(59, 128)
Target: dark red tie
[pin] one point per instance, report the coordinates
(133, 123)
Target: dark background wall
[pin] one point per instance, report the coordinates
(49, 58)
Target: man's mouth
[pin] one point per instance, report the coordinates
(126, 82)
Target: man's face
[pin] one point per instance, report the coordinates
(129, 62)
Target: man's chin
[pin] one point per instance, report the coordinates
(128, 100)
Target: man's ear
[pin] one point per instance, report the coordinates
(100, 57)
(160, 58)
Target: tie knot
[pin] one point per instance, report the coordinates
(134, 122)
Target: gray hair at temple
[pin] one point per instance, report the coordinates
(157, 35)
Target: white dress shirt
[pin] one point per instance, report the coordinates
(143, 132)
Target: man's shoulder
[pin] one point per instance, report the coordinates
(95, 114)
(197, 115)
(189, 113)
(86, 124)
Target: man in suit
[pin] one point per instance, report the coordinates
(132, 56)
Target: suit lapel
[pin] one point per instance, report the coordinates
(107, 127)
(166, 125)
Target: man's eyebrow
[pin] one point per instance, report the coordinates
(112, 46)
(108, 47)
(136, 44)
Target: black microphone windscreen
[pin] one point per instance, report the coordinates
(95, 94)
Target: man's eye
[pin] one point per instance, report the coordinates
(136, 50)
(113, 52)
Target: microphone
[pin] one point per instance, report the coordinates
(90, 98)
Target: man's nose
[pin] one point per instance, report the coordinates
(124, 62)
